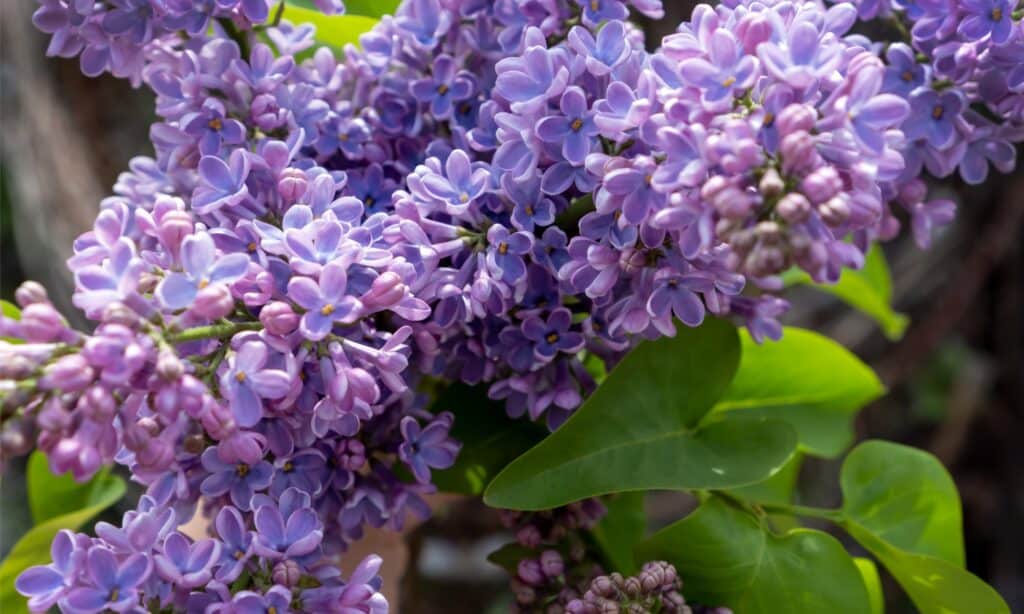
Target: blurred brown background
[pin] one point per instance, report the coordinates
(956, 379)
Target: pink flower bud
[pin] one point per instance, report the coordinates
(41, 323)
(214, 302)
(292, 185)
(29, 293)
(279, 318)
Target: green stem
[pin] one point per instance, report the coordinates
(214, 331)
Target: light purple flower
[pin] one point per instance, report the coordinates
(605, 52)
(802, 59)
(114, 584)
(188, 565)
(246, 382)
(289, 531)
(462, 184)
(987, 18)
(212, 127)
(726, 71)
(574, 129)
(223, 184)
(202, 268)
(44, 585)
(528, 82)
(325, 302)
(236, 541)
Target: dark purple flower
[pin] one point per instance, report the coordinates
(574, 129)
(188, 565)
(277, 599)
(236, 541)
(987, 18)
(326, 301)
(505, 253)
(305, 471)
(240, 480)
(552, 336)
(933, 117)
(443, 87)
(246, 382)
(677, 294)
(202, 268)
(904, 73)
(631, 188)
(596, 11)
(212, 128)
(530, 206)
(425, 20)
(430, 447)
(114, 585)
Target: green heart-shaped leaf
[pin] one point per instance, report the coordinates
(806, 379)
(638, 430)
(726, 558)
(905, 497)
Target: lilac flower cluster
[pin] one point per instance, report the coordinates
(655, 589)
(121, 36)
(499, 192)
(958, 64)
(273, 564)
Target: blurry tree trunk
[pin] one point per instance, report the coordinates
(52, 185)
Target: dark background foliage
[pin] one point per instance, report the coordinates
(956, 379)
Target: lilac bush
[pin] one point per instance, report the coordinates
(486, 192)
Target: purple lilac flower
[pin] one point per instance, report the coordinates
(188, 565)
(552, 336)
(113, 585)
(461, 185)
(443, 88)
(202, 268)
(933, 116)
(239, 479)
(236, 543)
(505, 255)
(987, 18)
(596, 11)
(427, 448)
(904, 73)
(529, 82)
(288, 531)
(606, 51)
(800, 60)
(247, 381)
(574, 129)
(213, 128)
(531, 207)
(726, 71)
(325, 302)
(223, 185)
(44, 585)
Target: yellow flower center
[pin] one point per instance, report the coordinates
(464, 197)
(938, 111)
(997, 14)
(729, 81)
(215, 124)
(503, 248)
(240, 376)
(552, 338)
(907, 76)
(242, 470)
(576, 125)
(203, 283)
(442, 89)
(327, 309)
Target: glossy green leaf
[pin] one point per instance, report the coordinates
(806, 379)
(905, 497)
(778, 489)
(366, 8)
(934, 585)
(869, 290)
(490, 440)
(726, 557)
(52, 495)
(872, 582)
(902, 505)
(638, 430)
(622, 528)
(34, 547)
(333, 30)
